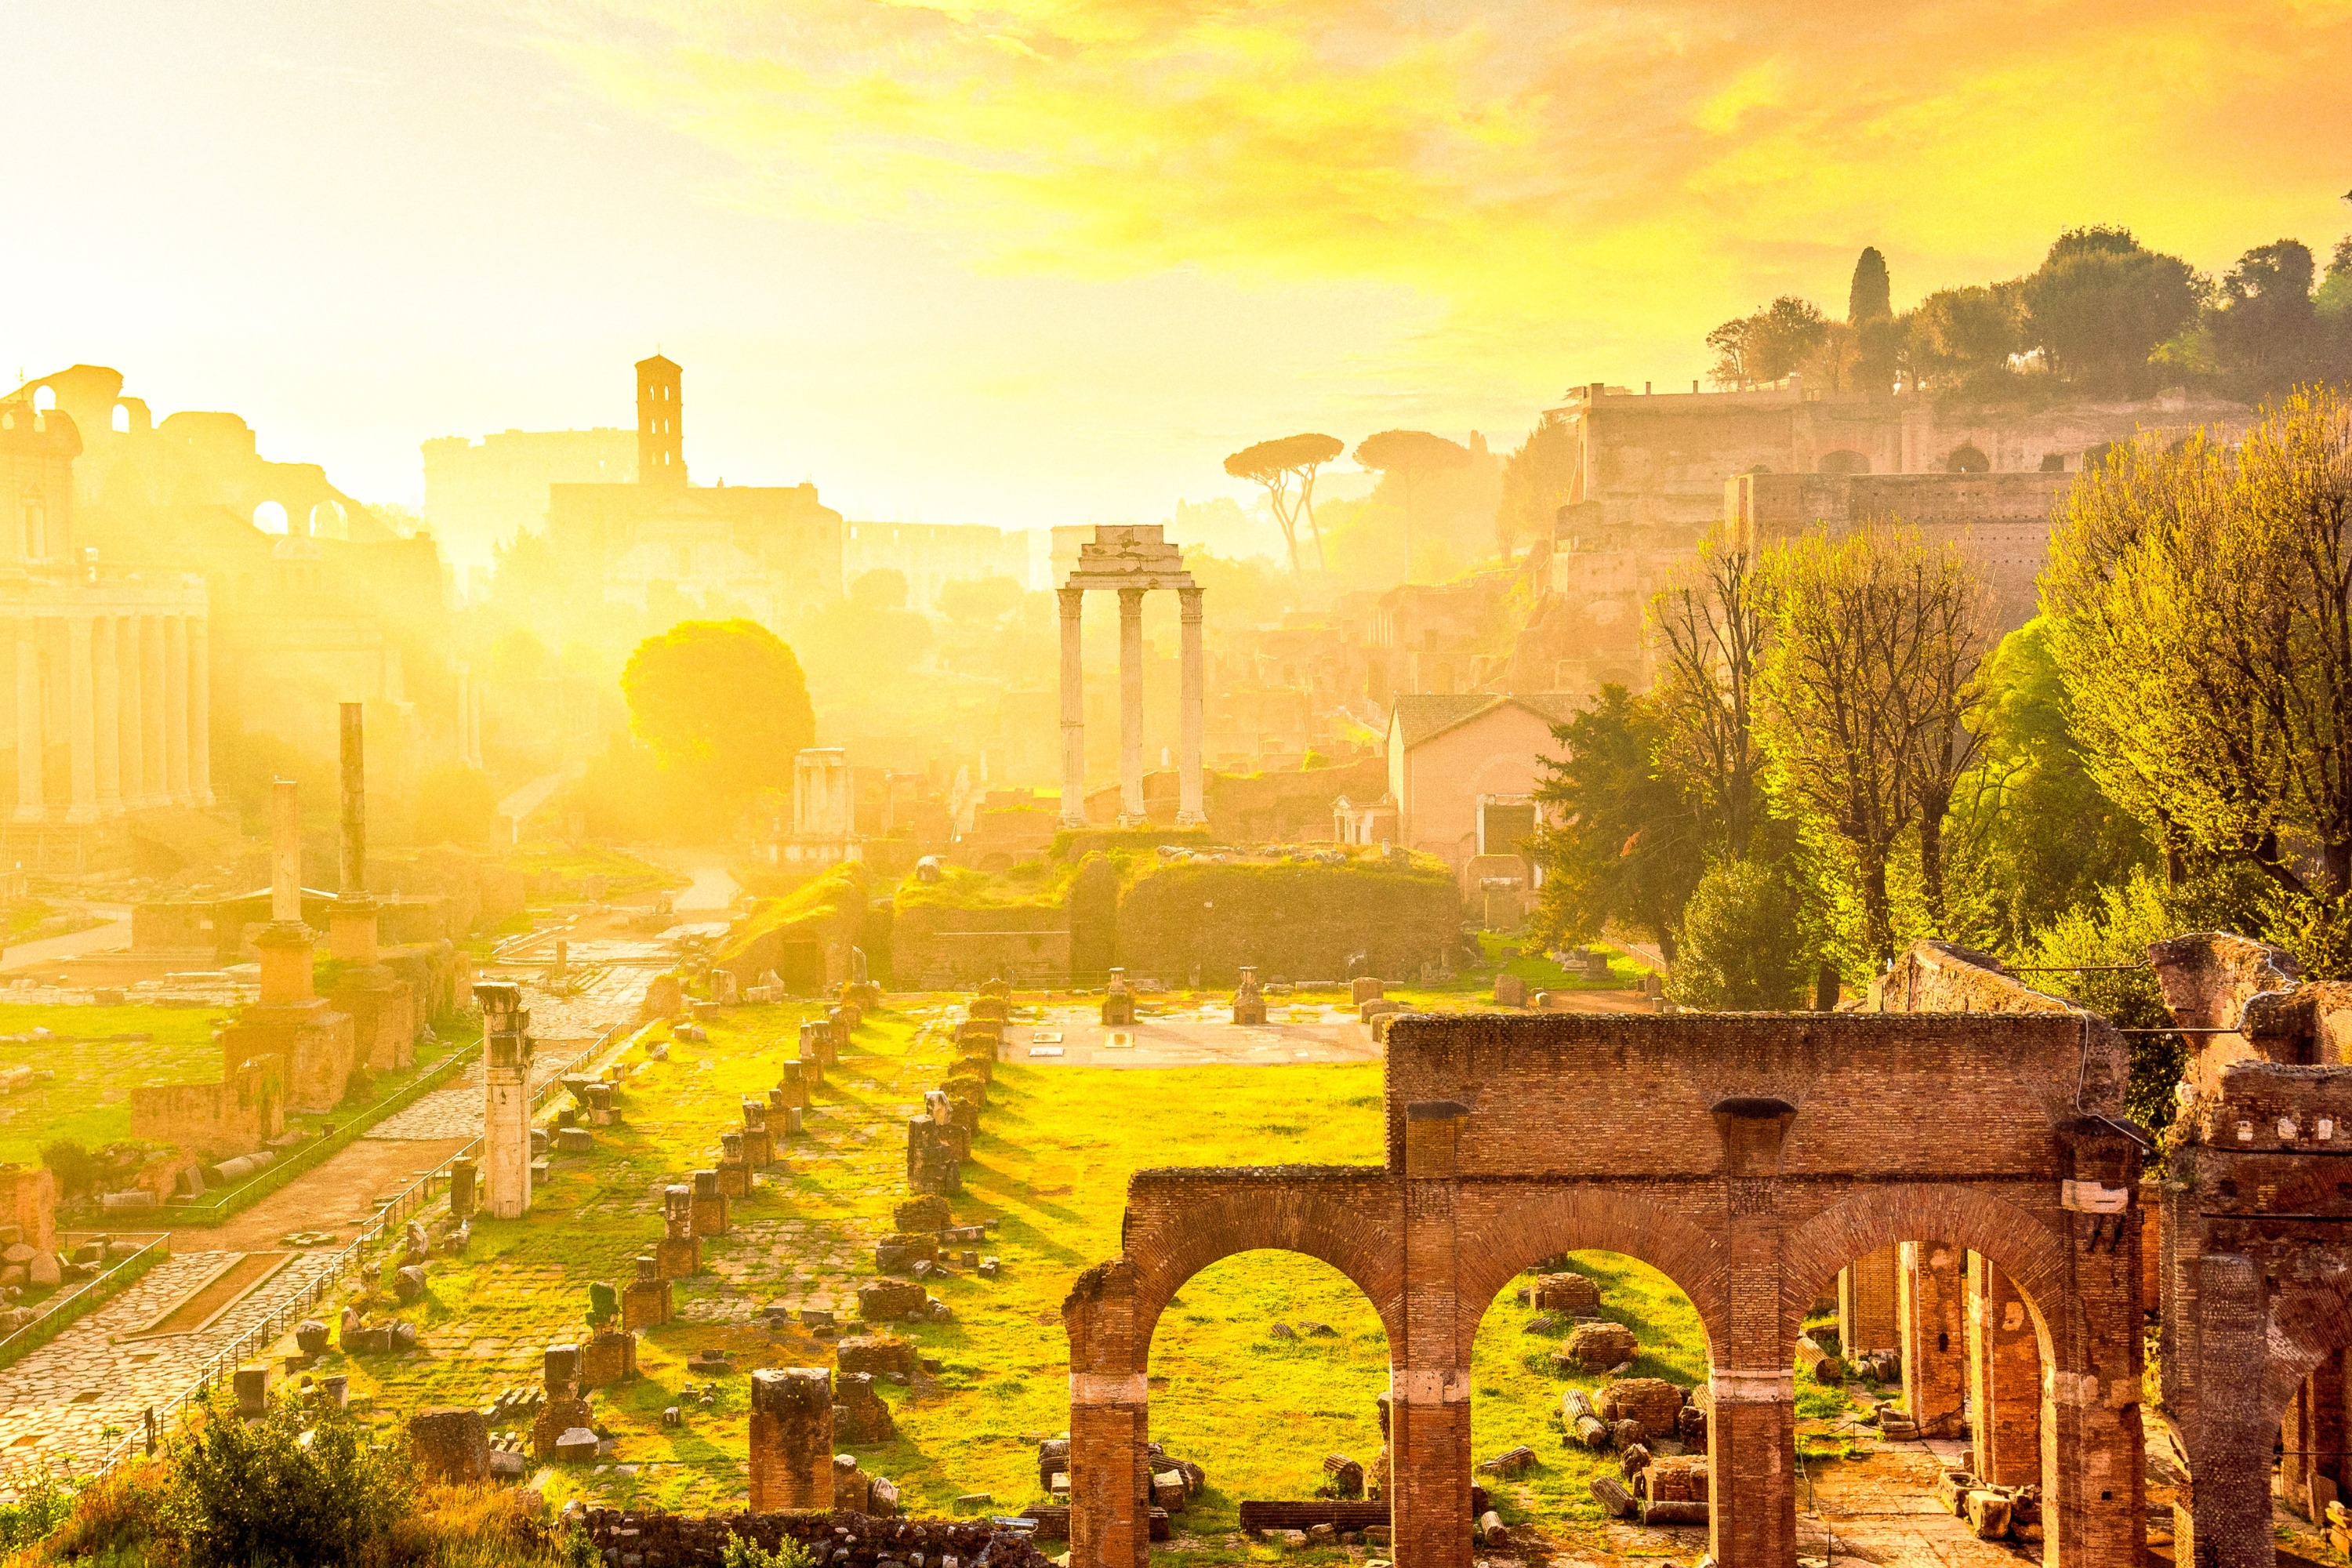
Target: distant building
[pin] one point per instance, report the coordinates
(931, 555)
(1453, 758)
(478, 494)
(764, 552)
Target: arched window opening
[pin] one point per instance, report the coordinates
(1965, 458)
(44, 398)
(122, 420)
(1845, 462)
(269, 517)
(326, 519)
(1262, 1366)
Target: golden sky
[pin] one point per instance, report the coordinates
(1047, 262)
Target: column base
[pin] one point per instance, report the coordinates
(1191, 819)
(1072, 822)
(81, 814)
(30, 814)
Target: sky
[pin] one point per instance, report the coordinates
(1047, 262)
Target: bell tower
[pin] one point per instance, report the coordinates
(661, 439)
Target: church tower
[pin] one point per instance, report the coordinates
(661, 440)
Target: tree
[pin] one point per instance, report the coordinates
(1769, 345)
(1618, 843)
(1277, 465)
(1958, 335)
(1708, 629)
(1538, 479)
(1871, 296)
(2101, 302)
(1866, 691)
(722, 703)
(1744, 948)
(1411, 456)
(2200, 608)
(2264, 317)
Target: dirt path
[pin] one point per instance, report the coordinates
(338, 1196)
(115, 933)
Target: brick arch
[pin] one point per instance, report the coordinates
(2307, 1322)
(1178, 1224)
(2026, 1250)
(1492, 1249)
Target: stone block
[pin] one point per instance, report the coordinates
(1652, 1401)
(1510, 991)
(859, 1414)
(574, 1140)
(610, 1356)
(1598, 1347)
(451, 1444)
(1363, 989)
(882, 1355)
(792, 1458)
(892, 1301)
(927, 1211)
(576, 1445)
(252, 1386)
(1573, 1294)
(1988, 1515)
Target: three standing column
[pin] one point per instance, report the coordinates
(1131, 709)
(1073, 710)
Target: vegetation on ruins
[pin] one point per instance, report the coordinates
(2200, 606)
(722, 707)
(1278, 465)
(2103, 315)
(303, 1484)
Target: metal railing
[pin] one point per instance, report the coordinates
(273, 1322)
(63, 1311)
(279, 1172)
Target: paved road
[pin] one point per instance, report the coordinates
(713, 890)
(115, 933)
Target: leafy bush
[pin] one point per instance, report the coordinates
(42, 1504)
(72, 1165)
(742, 1551)
(1743, 944)
(255, 1495)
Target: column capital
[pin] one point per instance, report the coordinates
(1074, 600)
(1188, 601)
(1131, 599)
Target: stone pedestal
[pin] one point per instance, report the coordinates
(316, 1046)
(352, 930)
(646, 1299)
(791, 1439)
(932, 1165)
(679, 1257)
(610, 1356)
(1249, 1002)
(1118, 1002)
(709, 1210)
(734, 1174)
(464, 1178)
(759, 1147)
(451, 1444)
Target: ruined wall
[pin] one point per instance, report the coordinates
(214, 1121)
(1291, 919)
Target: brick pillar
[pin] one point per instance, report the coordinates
(1751, 1433)
(1866, 1307)
(2224, 1517)
(2092, 1467)
(1429, 1382)
(791, 1438)
(2313, 1437)
(709, 1210)
(1110, 1518)
(1931, 1288)
(2004, 1379)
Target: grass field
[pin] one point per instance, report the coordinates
(1051, 1166)
(88, 1101)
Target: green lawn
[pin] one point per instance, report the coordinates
(1056, 1148)
(88, 1101)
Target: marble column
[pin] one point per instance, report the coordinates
(151, 706)
(81, 731)
(1190, 803)
(199, 713)
(1073, 710)
(131, 718)
(106, 717)
(1131, 707)
(30, 805)
(175, 708)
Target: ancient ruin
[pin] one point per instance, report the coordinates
(1131, 560)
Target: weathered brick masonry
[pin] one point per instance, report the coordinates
(1749, 1158)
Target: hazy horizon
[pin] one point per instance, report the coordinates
(1042, 265)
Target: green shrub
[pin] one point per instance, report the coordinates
(254, 1495)
(71, 1164)
(742, 1551)
(42, 1504)
(1743, 945)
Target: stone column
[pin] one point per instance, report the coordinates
(175, 708)
(107, 717)
(791, 1438)
(200, 712)
(350, 924)
(2004, 1378)
(1073, 710)
(1191, 807)
(81, 722)
(151, 719)
(1110, 1411)
(1131, 707)
(286, 943)
(1428, 1375)
(1932, 1288)
(130, 719)
(30, 805)
(506, 1109)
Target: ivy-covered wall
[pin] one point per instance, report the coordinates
(1298, 920)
